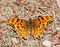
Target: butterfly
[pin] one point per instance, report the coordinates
(32, 26)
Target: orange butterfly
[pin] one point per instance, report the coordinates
(35, 27)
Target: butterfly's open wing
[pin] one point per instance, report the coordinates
(21, 26)
(38, 29)
(39, 24)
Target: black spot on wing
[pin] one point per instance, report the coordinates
(12, 20)
(38, 19)
(17, 26)
(18, 20)
(23, 27)
(39, 16)
(24, 38)
(21, 20)
(42, 18)
(14, 31)
(40, 23)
